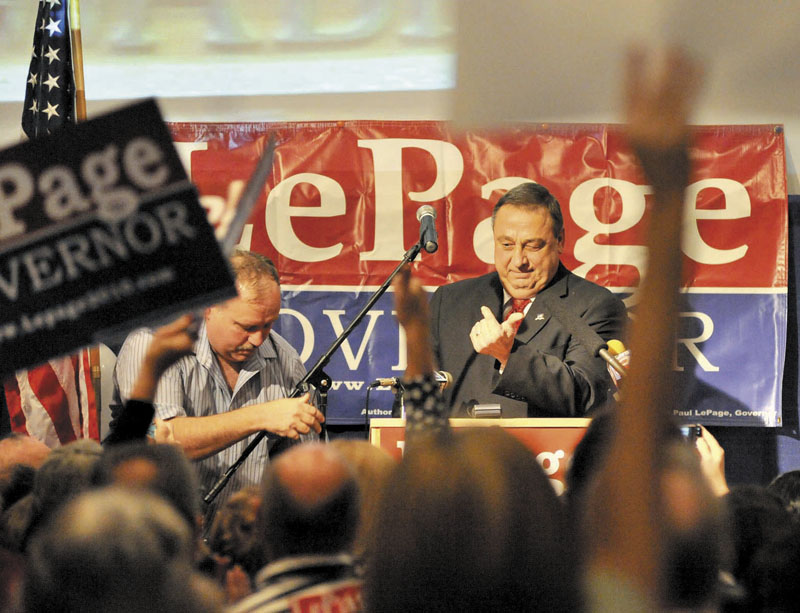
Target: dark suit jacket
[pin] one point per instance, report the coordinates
(549, 374)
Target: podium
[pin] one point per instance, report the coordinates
(552, 440)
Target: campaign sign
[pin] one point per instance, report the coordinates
(100, 231)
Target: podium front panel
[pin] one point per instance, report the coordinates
(551, 440)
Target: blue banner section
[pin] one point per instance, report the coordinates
(312, 319)
(729, 348)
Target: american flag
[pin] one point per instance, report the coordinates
(54, 402)
(50, 92)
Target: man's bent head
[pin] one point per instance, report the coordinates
(237, 327)
(528, 239)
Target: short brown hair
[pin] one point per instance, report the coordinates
(252, 268)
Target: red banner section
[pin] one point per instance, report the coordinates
(340, 206)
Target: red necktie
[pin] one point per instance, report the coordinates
(518, 306)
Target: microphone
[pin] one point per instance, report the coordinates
(444, 378)
(583, 332)
(386, 382)
(426, 216)
(616, 347)
(621, 355)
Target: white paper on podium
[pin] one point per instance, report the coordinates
(554, 61)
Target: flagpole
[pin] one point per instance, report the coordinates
(80, 115)
(77, 59)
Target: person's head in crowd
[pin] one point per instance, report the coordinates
(787, 487)
(18, 483)
(237, 327)
(372, 466)
(757, 516)
(470, 522)
(309, 503)
(12, 573)
(117, 551)
(587, 457)
(16, 523)
(162, 468)
(65, 473)
(20, 456)
(20, 449)
(696, 547)
(771, 578)
(233, 532)
(528, 232)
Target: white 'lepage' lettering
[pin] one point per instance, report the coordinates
(140, 161)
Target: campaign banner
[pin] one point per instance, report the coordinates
(100, 231)
(339, 213)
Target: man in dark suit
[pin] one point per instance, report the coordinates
(501, 344)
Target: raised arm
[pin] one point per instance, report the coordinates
(166, 346)
(624, 514)
(426, 412)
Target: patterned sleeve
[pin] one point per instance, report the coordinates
(426, 412)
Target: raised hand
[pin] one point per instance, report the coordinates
(169, 343)
(712, 461)
(657, 104)
(413, 313)
(410, 300)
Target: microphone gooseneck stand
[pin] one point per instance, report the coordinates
(315, 376)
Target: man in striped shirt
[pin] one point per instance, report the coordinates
(233, 386)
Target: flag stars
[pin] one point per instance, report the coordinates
(51, 110)
(54, 26)
(52, 54)
(45, 110)
(51, 82)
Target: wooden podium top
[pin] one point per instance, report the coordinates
(470, 422)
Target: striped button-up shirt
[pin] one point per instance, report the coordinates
(196, 387)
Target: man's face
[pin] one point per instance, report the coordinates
(526, 253)
(237, 327)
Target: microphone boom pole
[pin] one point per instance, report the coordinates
(315, 376)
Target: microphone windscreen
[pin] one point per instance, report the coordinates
(615, 347)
